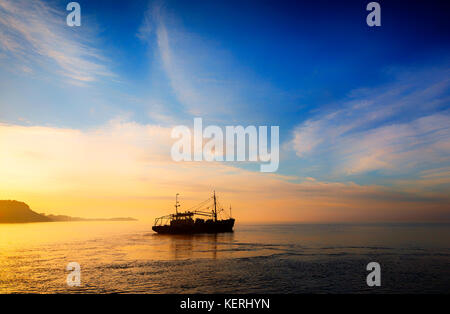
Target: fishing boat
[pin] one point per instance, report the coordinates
(201, 218)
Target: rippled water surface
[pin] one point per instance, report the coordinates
(127, 257)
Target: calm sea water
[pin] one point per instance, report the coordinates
(127, 257)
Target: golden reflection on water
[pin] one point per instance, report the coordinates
(35, 234)
(128, 256)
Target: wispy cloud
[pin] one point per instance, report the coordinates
(34, 35)
(203, 75)
(402, 128)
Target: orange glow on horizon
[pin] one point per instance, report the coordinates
(124, 170)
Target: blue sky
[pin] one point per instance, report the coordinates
(354, 103)
(272, 62)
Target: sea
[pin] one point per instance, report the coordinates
(128, 257)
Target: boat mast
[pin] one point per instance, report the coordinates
(176, 203)
(215, 209)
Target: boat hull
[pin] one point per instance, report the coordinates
(204, 227)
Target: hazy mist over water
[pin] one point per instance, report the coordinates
(127, 257)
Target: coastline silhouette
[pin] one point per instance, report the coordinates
(19, 212)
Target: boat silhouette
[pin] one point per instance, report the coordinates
(188, 222)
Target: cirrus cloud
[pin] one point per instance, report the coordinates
(34, 35)
(402, 128)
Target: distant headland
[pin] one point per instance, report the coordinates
(20, 212)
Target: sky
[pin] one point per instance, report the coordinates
(86, 112)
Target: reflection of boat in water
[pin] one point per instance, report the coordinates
(198, 245)
(187, 222)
